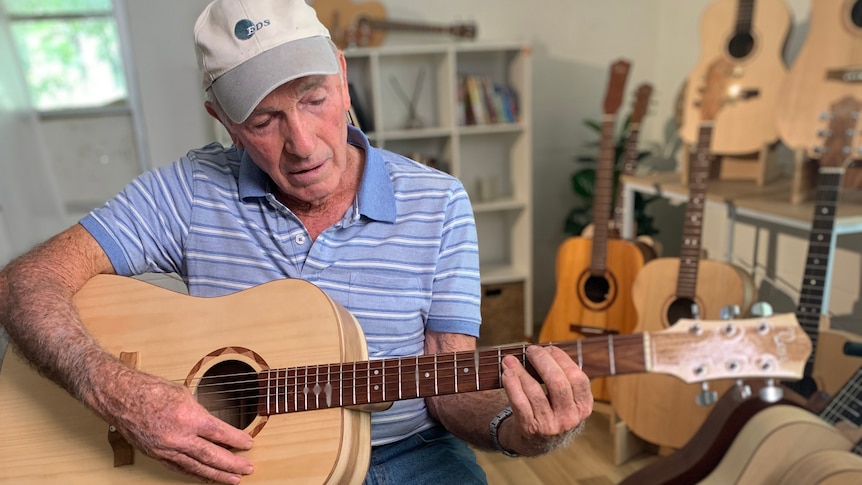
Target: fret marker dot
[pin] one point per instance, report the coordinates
(820, 237)
(376, 372)
(817, 261)
(813, 282)
(427, 374)
(824, 210)
(376, 388)
(466, 370)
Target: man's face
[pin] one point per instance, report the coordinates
(298, 135)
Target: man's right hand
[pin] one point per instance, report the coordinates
(165, 421)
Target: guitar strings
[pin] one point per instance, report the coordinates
(294, 387)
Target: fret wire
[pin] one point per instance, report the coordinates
(476, 366)
(500, 364)
(455, 368)
(436, 389)
(417, 377)
(355, 385)
(611, 359)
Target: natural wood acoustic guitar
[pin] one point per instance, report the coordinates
(836, 354)
(824, 467)
(750, 34)
(827, 68)
(364, 24)
(595, 275)
(777, 438)
(288, 364)
(662, 411)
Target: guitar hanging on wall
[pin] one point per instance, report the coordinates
(364, 24)
(288, 365)
(705, 450)
(595, 275)
(657, 410)
(751, 35)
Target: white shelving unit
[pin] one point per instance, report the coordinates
(387, 79)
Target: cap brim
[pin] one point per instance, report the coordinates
(241, 89)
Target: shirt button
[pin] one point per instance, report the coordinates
(300, 239)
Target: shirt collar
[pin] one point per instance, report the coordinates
(376, 198)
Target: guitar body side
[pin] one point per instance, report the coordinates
(572, 307)
(826, 467)
(833, 42)
(771, 441)
(662, 409)
(48, 437)
(744, 127)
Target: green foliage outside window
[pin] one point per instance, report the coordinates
(70, 52)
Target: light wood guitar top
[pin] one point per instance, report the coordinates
(828, 67)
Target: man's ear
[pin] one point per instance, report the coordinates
(212, 112)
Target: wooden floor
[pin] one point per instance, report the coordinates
(588, 461)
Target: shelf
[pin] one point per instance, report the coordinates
(770, 202)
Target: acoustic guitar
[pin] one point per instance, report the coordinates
(661, 411)
(288, 364)
(827, 368)
(828, 67)
(751, 35)
(825, 467)
(780, 436)
(594, 275)
(364, 24)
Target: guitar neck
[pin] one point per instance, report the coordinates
(393, 25)
(602, 196)
(744, 15)
(387, 380)
(846, 406)
(810, 306)
(699, 168)
(629, 164)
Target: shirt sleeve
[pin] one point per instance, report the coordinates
(143, 228)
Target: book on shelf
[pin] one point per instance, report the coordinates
(485, 102)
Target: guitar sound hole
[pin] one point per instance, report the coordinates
(740, 45)
(680, 308)
(596, 289)
(856, 13)
(229, 391)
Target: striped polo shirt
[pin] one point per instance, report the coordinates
(403, 259)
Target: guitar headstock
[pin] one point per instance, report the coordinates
(641, 102)
(716, 89)
(616, 86)
(701, 350)
(840, 138)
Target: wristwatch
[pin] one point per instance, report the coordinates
(495, 426)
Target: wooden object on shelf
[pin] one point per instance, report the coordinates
(760, 167)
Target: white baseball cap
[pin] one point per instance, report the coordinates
(247, 48)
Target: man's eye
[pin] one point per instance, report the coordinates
(264, 123)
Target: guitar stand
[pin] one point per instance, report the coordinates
(761, 166)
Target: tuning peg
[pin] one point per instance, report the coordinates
(770, 392)
(729, 312)
(706, 397)
(743, 390)
(825, 116)
(824, 133)
(761, 309)
(695, 311)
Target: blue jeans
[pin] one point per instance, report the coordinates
(433, 456)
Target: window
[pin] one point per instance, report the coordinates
(69, 51)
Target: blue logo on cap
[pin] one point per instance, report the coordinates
(245, 28)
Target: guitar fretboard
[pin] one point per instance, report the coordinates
(699, 168)
(810, 306)
(377, 381)
(602, 197)
(744, 15)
